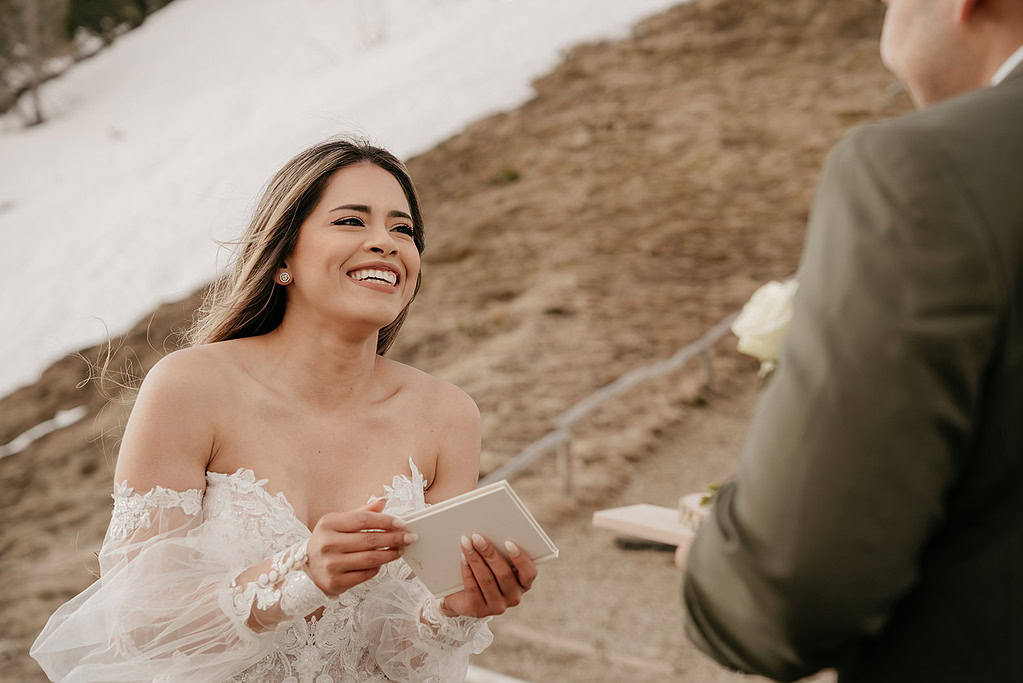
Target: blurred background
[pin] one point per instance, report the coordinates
(602, 182)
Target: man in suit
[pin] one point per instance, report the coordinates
(876, 523)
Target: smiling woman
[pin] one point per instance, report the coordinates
(371, 245)
(246, 303)
(240, 547)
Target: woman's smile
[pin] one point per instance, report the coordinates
(378, 275)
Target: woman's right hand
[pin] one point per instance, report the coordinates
(347, 548)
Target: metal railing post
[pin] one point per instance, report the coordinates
(708, 367)
(566, 467)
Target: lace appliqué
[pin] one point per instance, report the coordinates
(132, 510)
(405, 495)
(316, 651)
(242, 502)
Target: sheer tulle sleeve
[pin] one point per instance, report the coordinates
(410, 639)
(164, 607)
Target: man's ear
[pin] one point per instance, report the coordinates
(965, 9)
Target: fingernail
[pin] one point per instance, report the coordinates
(465, 562)
(513, 549)
(466, 544)
(479, 542)
(411, 538)
(399, 523)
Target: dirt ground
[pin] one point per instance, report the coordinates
(650, 186)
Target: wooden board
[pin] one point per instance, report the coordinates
(652, 522)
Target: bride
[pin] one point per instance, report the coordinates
(239, 547)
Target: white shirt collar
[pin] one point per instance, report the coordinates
(1010, 64)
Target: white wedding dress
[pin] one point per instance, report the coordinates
(164, 608)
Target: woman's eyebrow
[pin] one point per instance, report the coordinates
(362, 208)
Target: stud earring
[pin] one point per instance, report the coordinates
(284, 278)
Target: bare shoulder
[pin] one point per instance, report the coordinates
(441, 400)
(184, 368)
(188, 382)
(170, 435)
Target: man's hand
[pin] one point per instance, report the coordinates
(682, 552)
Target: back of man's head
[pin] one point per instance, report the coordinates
(943, 48)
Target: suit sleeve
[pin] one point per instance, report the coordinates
(862, 431)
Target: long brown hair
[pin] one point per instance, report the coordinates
(246, 302)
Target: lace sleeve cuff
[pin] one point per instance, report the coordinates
(284, 585)
(453, 631)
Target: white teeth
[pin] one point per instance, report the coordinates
(371, 273)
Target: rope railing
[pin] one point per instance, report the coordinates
(560, 437)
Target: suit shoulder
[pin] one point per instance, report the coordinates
(887, 144)
(979, 125)
(912, 161)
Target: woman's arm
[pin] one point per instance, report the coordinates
(168, 443)
(171, 433)
(491, 583)
(162, 606)
(179, 598)
(454, 422)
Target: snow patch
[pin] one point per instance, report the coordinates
(158, 146)
(63, 418)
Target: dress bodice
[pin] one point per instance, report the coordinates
(331, 648)
(240, 501)
(166, 608)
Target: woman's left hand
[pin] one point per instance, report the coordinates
(491, 583)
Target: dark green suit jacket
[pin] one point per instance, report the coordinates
(876, 523)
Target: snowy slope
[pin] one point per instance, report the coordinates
(158, 147)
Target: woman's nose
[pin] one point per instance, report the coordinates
(380, 241)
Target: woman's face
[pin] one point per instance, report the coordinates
(355, 259)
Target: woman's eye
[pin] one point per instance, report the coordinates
(350, 220)
(405, 229)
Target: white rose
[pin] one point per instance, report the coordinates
(762, 324)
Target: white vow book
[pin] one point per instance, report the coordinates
(494, 511)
